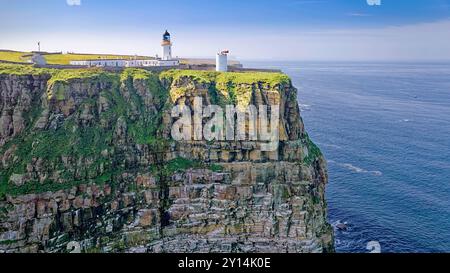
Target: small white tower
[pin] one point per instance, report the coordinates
(38, 59)
(222, 61)
(167, 47)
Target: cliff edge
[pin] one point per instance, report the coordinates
(87, 159)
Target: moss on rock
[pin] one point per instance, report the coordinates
(224, 87)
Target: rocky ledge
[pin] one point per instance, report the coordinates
(88, 164)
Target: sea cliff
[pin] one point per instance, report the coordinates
(86, 159)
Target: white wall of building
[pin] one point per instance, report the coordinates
(148, 63)
(167, 52)
(102, 63)
(126, 63)
(221, 62)
(166, 59)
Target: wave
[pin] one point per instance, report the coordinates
(342, 226)
(304, 107)
(350, 238)
(334, 146)
(356, 169)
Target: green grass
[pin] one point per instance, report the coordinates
(314, 152)
(229, 87)
(61, 77)
(61, 59)
(57, 75)
(270, 78)
(14, 56)
(196, 75)
(135, 74)
(64, 59)
(65, 75)
(20, 70)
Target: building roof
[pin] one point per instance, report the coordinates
(100, 60)
(114, 60)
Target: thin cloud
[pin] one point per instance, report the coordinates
(73, 2)
(356, 14)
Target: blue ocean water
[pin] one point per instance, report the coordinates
(385, 131)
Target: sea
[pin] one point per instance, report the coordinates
(384, 129)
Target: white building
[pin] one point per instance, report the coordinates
(38, 59)
(222, 61)
(100, 62)
(167, 47)
(124, 63)
(145, 63)
(165, 61)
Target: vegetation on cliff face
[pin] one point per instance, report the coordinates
(89, 143)
(70, 141)
(127, 95)
(226, 88)
(195, 75)
(97, 145)
(21, 70)
(66, 75)
(201, 76)
(313, 151)
(146, 128)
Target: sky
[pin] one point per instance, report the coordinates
(324, 30)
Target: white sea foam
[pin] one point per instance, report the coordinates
(343, 227)
(356, 169)
(334, 146)
(304, 107)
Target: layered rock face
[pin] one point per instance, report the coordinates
(87, 161)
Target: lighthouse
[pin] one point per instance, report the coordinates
(166, 59)
(222, 61)
(167, 47)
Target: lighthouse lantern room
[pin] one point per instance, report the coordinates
(167, 47)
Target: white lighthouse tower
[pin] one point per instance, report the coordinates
(167, 47)
(222, 61)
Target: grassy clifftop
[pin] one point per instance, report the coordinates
(199, 76)
(232, 87)
(228, 88)
(60, 59)
(19, 70)
(269, 78)
(14, 56)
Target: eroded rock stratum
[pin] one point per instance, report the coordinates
(87, 157)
